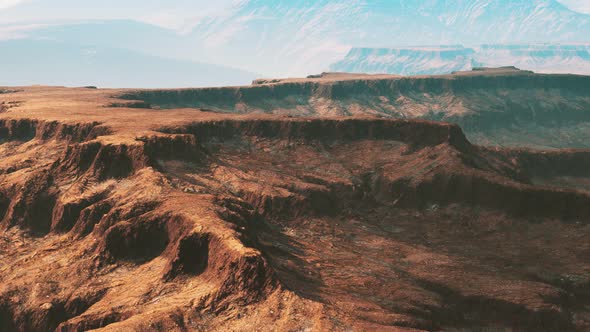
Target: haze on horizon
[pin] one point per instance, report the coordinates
(229, 42)
(173, 14)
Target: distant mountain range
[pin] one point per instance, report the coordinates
(27, 62)
(299, 37)
(446, 59)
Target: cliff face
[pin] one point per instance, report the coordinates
(117, 215)
(497, 107)
(223, 222)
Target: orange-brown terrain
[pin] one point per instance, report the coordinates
(121, 211)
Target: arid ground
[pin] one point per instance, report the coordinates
(333, 203)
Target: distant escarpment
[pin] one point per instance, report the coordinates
(445, 59)
(504, 107)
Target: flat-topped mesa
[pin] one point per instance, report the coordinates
(460, 172)
(501, 106)
(412, 132)
(443, 59)
(348, 85)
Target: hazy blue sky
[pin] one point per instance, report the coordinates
(272, 38)
(578, 5)
(175, 14)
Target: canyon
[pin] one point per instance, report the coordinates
(335, 202)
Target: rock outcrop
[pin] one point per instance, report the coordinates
(502, 107)
(126, 218)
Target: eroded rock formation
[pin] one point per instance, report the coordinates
(181, 220)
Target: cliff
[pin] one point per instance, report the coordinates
(505, 107)
(115, 216)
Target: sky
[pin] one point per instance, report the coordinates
(582, 6)
(307, 41)
(174, 14)
(179, 15)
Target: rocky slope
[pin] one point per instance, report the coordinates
(505, 107)
(447, 59)
(120, 219)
